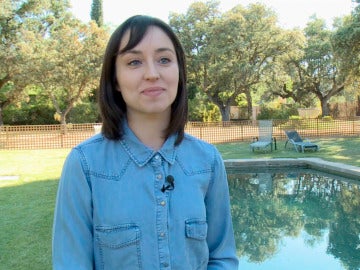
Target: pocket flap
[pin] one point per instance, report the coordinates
(196, 229)
(117, 236)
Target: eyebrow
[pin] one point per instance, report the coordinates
(159, 50)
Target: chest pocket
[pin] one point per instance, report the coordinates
(197, 248)
(119, 247)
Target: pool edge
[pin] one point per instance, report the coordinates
(312, 163)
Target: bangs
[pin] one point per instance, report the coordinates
(137, 32)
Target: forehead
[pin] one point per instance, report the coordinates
(153, 37)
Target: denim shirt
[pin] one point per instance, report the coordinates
(113, 213)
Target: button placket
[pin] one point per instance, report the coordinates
(161, 213)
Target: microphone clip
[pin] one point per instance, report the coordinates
(169, 179)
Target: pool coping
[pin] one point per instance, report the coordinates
(311, 163)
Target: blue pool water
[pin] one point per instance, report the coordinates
(298, 219)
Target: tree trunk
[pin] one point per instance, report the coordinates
(63, 118)
(63, 123)
(325, 109)
(1, 117)
(249, 104)
(225, 112)
(358, 106)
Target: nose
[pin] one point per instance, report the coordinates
(151, 72)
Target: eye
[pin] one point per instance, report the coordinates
(134, 63)
(164, 60)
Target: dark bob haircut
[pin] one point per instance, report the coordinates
(111, 104)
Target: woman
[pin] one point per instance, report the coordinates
(142, 194)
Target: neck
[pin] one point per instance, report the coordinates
(149, 130)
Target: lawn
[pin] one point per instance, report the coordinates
(343, 150)
(26, 204)
(26, 207)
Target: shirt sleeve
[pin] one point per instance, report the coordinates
(221, 242)
(72, 243)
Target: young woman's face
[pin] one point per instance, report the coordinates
(148, 75)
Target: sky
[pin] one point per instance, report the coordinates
(291, 13)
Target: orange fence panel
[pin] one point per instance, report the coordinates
(67, 136)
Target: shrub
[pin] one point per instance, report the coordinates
(327, 118)
(283, 112)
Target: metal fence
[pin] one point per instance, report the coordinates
(67, 136)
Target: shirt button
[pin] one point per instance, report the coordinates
(157, 157)
(162, 234)
(158, 176)
(162, 203)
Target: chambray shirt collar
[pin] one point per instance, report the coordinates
(141, 154)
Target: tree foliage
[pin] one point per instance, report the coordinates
(16, 16)
(193, 29)
(320, 67)
(240, 56)
(238, 52)
(48, 48)
(70, 69)
(246, 45)
(96, 13)
(346, 43)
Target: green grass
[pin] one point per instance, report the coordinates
(343, 150)
(27, 204)
(26, 207)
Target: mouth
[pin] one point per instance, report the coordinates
(153, 91)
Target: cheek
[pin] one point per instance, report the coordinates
(122, 82)
(121, 78)
(117, 80)
(175, 76)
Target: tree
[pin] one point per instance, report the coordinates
(193, 29)
(279, 79)
(12, 12)
(228, 54)
(316, 71)
(45, 46)
(34, 108)
(17, 17)
(246, 44)
(319, 71)
(67, 64)
(96, 13)
(346, 44)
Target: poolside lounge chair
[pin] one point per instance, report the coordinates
(265, 136)
(294, 138)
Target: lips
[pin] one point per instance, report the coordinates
(153, 91)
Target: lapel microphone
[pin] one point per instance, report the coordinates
(171, 183)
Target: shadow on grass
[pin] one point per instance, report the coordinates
(26, 225)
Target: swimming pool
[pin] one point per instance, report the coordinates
(294, 219)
